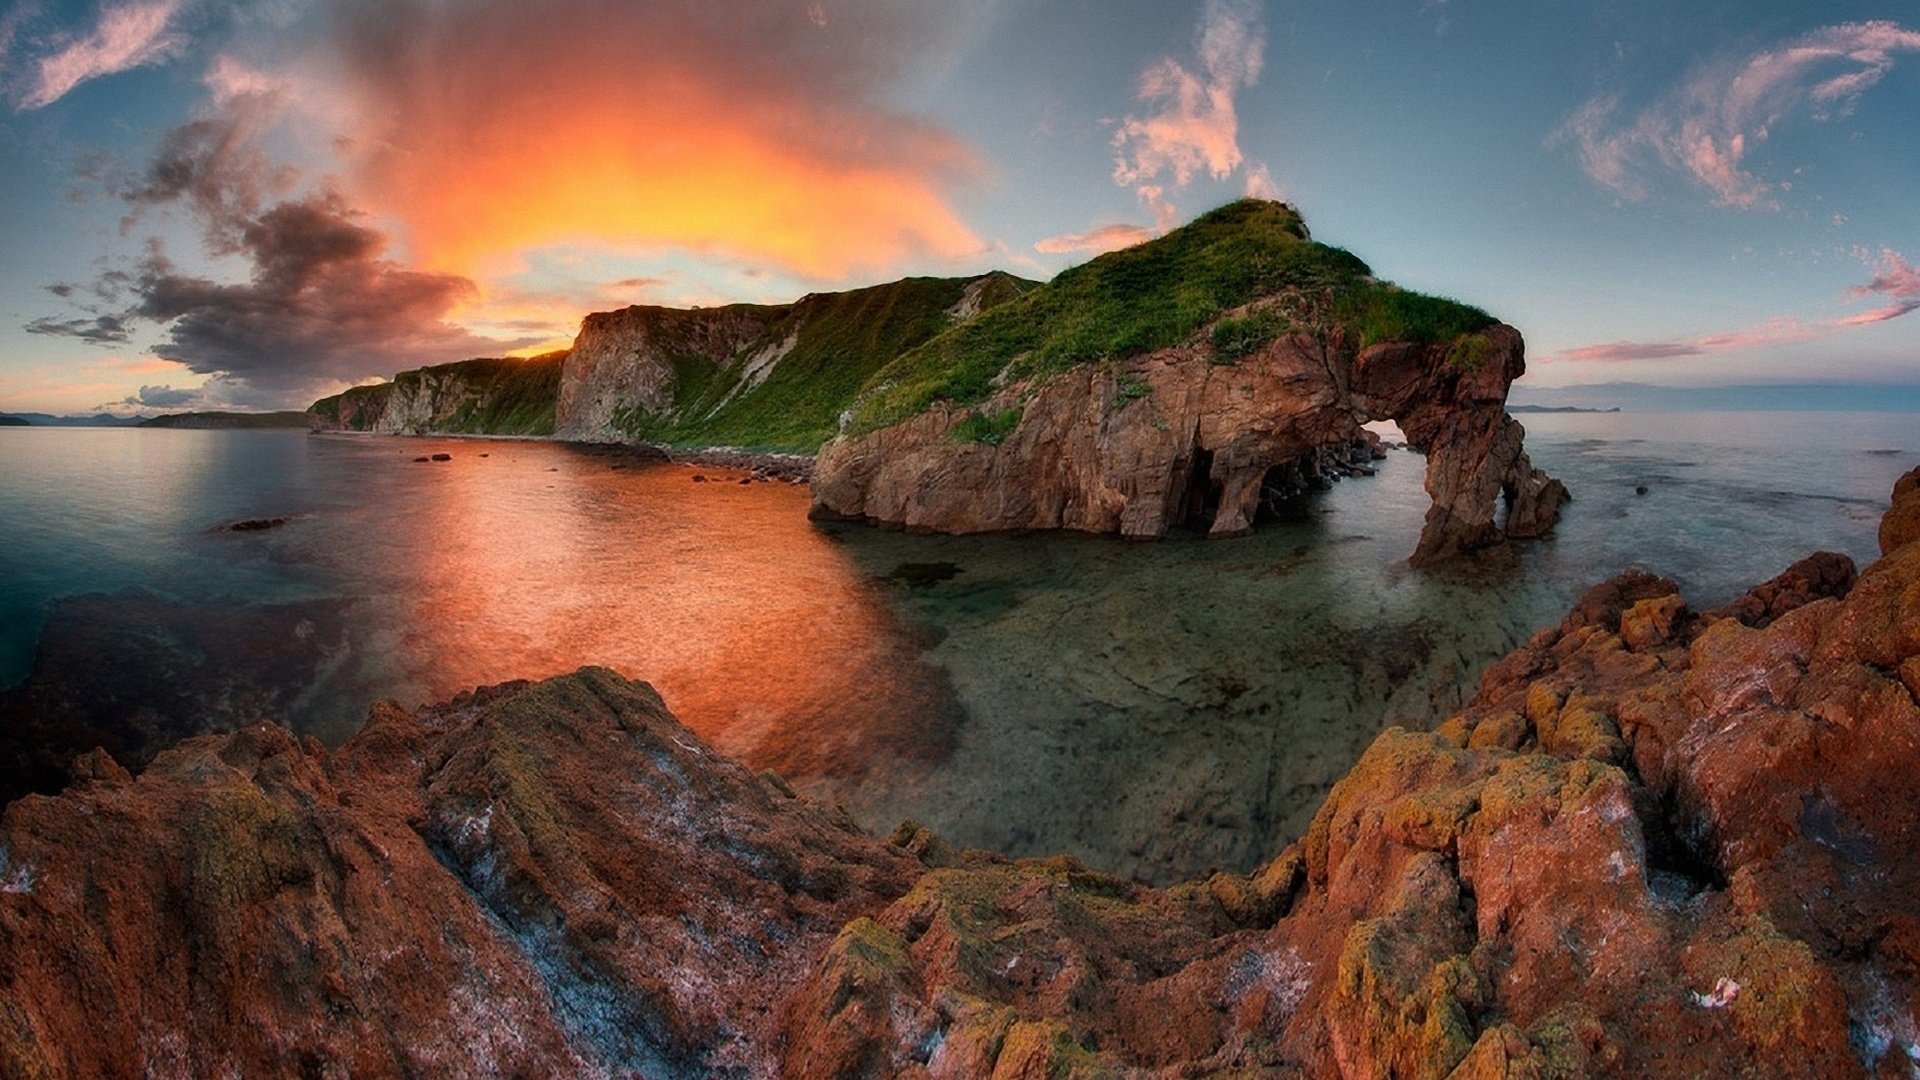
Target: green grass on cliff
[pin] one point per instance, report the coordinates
(1152, 296)
(496, 396)
(839, 341)
(505, 396)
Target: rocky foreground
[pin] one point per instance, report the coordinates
(1658, 842)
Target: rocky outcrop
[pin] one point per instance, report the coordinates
(622, 363)
(1177, 437)
(763, 376)
(1658, 842)
(533, 880)
(500, 396)
(1194, 380)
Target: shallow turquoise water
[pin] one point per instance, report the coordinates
(1157, 708)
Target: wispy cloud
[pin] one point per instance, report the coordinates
(1707, 129)
(1893, 277)
(94, 329)
(1097, 240)
(1194, 124)
(128, 36)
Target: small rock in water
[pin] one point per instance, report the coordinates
(619, 466)
(255, 524)
(699, 478)
(423, 457)
(746, 480)
(1640, 489)
(486, 455)
(915, 575)
(443, 457)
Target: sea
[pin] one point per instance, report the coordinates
(1156, 709)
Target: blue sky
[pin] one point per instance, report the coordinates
(211, 204)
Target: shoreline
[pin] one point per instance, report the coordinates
(772, 464)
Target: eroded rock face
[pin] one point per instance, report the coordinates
(1178, 438)
(1658, 842)
(625, 360)
(535, 879)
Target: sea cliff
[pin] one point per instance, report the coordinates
(1200, 379)
(496, 396)
(1658, 841)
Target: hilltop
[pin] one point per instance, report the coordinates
(769, 377)
(227, 420)
(1202, 380)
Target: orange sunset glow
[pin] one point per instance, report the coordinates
(484, 146)
(470, 199)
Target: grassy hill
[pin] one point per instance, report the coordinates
(839, 340)
(228, 420)
(1162, 293)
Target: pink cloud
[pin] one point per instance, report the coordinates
(1893, 277)
(128, 36)
(1101, 239)
(1629, 350)
(1881, 314)
(1194, 125)
(1706, 129)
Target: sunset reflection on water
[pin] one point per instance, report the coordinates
(534, 560)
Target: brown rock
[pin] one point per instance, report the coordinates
(1818, 576)
(534, 879)
(1200, 444)
(1901, 525)
(557, 879)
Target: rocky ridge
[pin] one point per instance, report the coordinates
(1658, 841)
(495, 396)
(1201, 412)
(765, 377)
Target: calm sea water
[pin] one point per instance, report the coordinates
(1159, 709)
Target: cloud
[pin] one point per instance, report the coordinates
(1097, 240)
(1893, 277)
(1194, 125)
(1707, 128)
(322, 304)
(747, 130)
(215, 164)
(94, 330)
(164, 397)
(1631, 350)
(128, 36)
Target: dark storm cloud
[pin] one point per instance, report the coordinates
(322, 303)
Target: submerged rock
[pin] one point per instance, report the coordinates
(1657, 842)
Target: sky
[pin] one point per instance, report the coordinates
(220, 204)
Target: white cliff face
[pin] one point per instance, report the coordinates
(624, 360)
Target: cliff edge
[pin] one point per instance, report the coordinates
(1658, 842)
(1195, 380)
